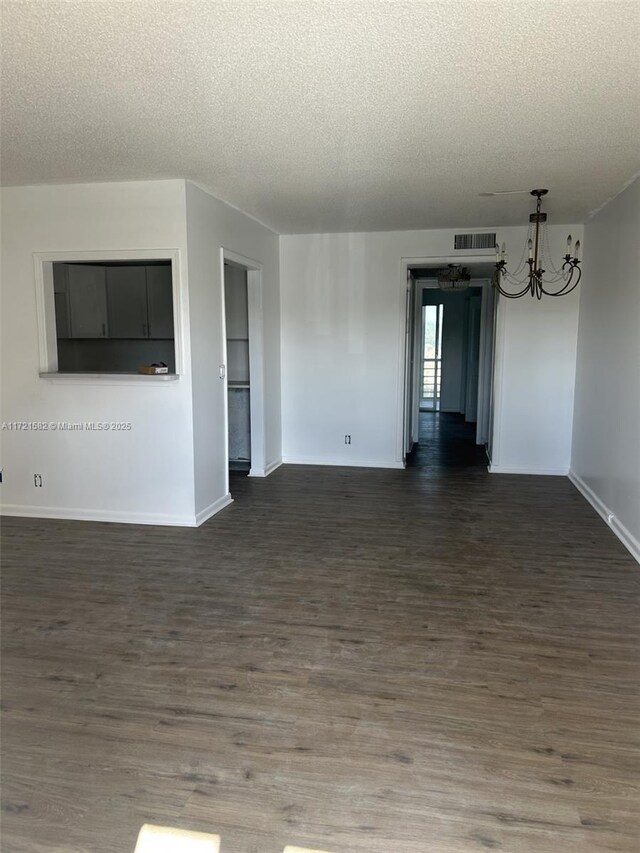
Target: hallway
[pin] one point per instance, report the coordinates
(446, 442)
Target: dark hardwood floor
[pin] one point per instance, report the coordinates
(435, 660)
(446, 442)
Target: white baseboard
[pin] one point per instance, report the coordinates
(113, 516)
(341, 463)
(544, 472)
(624, 535)
(271, 467)
(213, 508)
(268, 469)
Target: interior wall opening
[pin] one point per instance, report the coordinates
(238, 368)
(244, 366)
(431, 376)
(448, 385)
(108, 313)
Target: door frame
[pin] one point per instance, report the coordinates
(486, 365)
(475, 323)
(403, 380)
(421, 286)
(256, 360)
(411, 319)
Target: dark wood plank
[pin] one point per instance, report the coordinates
(365, 661)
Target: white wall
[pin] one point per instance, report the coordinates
(605, 460)
(535, 377)
(142, 475)
(343, 312)
(212, 226)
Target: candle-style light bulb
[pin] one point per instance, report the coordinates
(530, 249)
(577, 249)
(497, 253)
(569, 244)
(504, 251)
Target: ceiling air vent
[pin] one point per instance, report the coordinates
(474, 241)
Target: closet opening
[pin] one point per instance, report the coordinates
(238, 368)
(244, 366)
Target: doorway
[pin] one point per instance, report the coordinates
(449, 367)
(431, 356)
(238, 368)
(244, 366)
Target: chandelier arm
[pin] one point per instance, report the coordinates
(512, 295)
(570, 285)
(506, 293)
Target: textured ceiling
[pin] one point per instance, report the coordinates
(335, 115)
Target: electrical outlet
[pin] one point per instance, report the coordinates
(37, 481)
(347, 439)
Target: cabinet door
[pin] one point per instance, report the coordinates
(160, 301)
(87, 301)
(127, 302)
(61, 300)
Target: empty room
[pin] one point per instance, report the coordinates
(320, 445)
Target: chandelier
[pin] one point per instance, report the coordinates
(536, 280)
(455, 277)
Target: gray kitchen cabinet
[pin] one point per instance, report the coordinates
(61, 300)
(62, 315)
(116, 301)
(87, 293)
(127, 302)
(159, 301)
